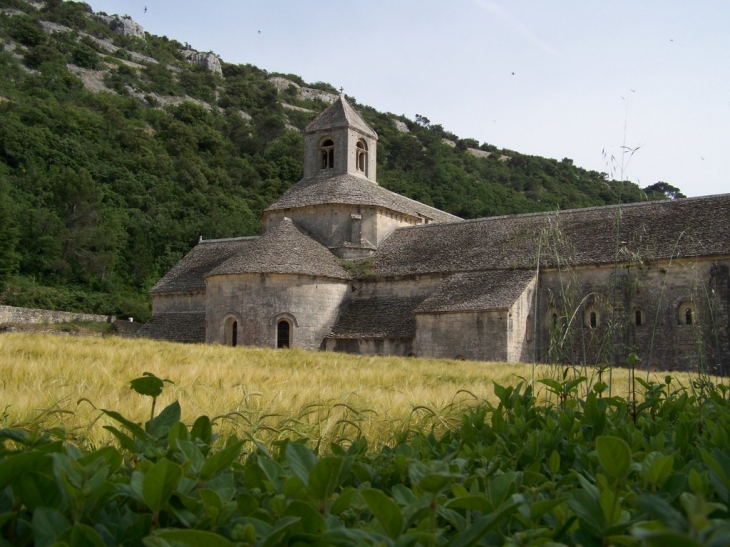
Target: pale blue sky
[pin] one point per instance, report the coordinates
(588, 76)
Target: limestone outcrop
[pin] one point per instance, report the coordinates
(401, 126)
(208, 60)
(282, 84)
(123, 24)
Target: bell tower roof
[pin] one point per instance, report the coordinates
(340, 114)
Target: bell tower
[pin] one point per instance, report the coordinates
(340, 142)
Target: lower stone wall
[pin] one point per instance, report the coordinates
(11, 314)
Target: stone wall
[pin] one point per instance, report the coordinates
(372, 346)
(475, 336)
(256, 302)
(11, 314)
(658, 293)
(519, 338)
(349, 231)
(178, 302)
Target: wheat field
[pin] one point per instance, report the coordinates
(64, 381)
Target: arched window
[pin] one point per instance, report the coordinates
(230, 330)
(361, 157)
(592, 318)
(638, 317)
(283, 334)
(687, 313)
(528, 328)
(327, 154)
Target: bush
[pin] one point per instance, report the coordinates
(85, 57)
(587, 471)
(26, 31)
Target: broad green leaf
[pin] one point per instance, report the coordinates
(484, 525)
(193, 538)
(385, 510)
(202, 429)
(280, 531)
(553, 385)
(192, 454)
(109, 454)
(403, 495)
(17, 435)
(343, 501)
(660, 469)
(614, 454)
(159, 483)
(37, 490)
(149, 385)
(324, 477)
(662, 510)
(554, 462)
(588, 509)
(160, 425)
(610, 506)
(177, 431)
(471, 503)
(456, 521)
(16, 465)
(539, 508)
(48, 525)
(502, 486)
(301, 461)
(125, 440)
(221, 460)
(135, 429)
(572, 384)
(311, 521)
(273, 472)
(82, 535)
(435, 482)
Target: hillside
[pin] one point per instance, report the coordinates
(118, 149)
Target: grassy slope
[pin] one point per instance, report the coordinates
(53, 380)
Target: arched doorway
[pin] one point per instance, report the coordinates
(283, 334)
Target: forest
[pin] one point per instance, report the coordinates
(103, 190)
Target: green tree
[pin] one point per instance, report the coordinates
(8, 237)
(663, 189)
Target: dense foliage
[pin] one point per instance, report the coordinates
(585, 471)
(101, 193)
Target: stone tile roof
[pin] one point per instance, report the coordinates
(348, 189)
(599, 235)
(377, 317)
(175, 327)
(476, 291)
(340, 114)
(286, 250)
(187, 275)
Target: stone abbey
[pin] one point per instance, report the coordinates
(343, 264)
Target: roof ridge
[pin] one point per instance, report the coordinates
(647, 203)
(340, 114)
(226, 239)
